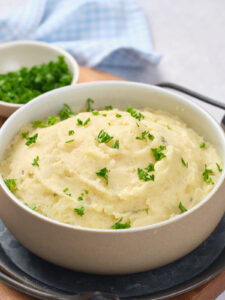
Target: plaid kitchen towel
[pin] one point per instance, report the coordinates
(110, 32)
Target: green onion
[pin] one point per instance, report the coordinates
(184, 163)
(119, 225)
(103, 137)
(134, 113)
(35, 161)
(157, 152)
(116, 144)
(182, 208)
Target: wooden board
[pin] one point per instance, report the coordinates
(208, 291)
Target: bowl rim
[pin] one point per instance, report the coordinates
(155, 226)
(73, 61)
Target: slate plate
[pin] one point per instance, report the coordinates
(140, 284)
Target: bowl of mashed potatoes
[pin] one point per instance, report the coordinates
(111, 177)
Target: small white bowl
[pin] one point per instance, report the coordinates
(108, 251)
(18, 54)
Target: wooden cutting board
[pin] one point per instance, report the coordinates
(208, 291)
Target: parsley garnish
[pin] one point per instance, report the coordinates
(150, 168)
(116, 144)
(182, 208)
(108, 107)
(25, 134)
(184, 163)
(89, 102)
(95, 113)
(79, 210)
(202, 145)
(11, 184)
(118, 115)
(206, 176)
(35, 162)
(144, 134)
(104, 115)
(65, 192)
(50, 122)
(157, 152)
(71, 132)
(219, 168)
(134, 113)
(119, 225)
(144, 175)
(103, 137)
(31, 206)
(69, 141)
(103, 173)
(81, 197)
(81, 123)
(86, 191)
(168, 127)
(66, 112)
(30, 140)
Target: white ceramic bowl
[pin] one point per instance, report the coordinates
(18, 54)
(113, 251)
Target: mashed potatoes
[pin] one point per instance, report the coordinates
(110, 169)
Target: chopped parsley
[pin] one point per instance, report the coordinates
(69, 141)
(182, 208)
(86, 192)
(116, 145)
(103, 173)
(157, 152)
(81, 123)
(150, 168)
(65, 191)
(104, 115)
(144, 175)
(79, 210)
(219, 168)
(31, 206)
(168, 127)
(71, 132)
(206, 175)
(135, 114)
(89, 102)
(50, 122)
(103, 137)
(11, 184)
(66, 112)
(35, 161)
(202, 145)
(119, 225)
(184, 163)
(30, 140)
(95, 113)
(144, 134)
(81, 197)
(118, 115)
(108, 107)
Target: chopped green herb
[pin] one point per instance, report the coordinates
(31, 140)
(104, 115)
(65, 192)
(108, 107)
(137, 124)
(118, 115)
(103, 173)
(66, 112)
(27, 83)
(35, 162)
(219, 168)
(157, 152)
(206, 175)
(95, 113)
(69, 141)
(80, 198)
(25, 134)
(184, 163)
(86, 191)
(81, 123)
(79, 210)
(144, 134)
(182, 208)
(71, 132)
(119, 225)
(50, 122)
(150, 168)
(145, 176)
(89, 102)
(31, 206)
(134, 113)
(103, 137)
(116, 144)
(168, 127)
(11, 184)
(202, 145)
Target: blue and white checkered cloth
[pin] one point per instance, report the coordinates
(110, 32)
